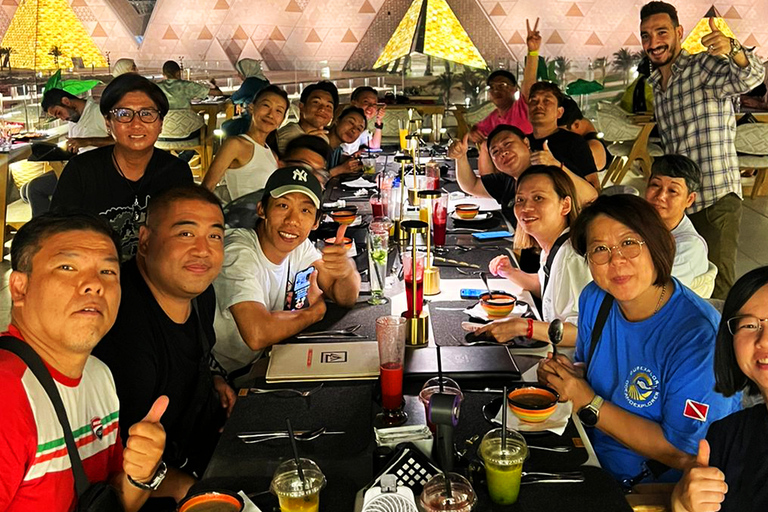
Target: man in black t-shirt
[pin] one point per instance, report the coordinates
(161, 341)
(574, 121)
(552, 146)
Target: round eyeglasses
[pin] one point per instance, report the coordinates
(125, 115)
(745, 324)
(628, 248)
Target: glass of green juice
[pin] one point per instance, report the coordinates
(503, 466)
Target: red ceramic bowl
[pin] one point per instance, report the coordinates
(498, 304)
(533, 404)
(212, 502)
(467, 211)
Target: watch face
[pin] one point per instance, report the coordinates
(588, 416)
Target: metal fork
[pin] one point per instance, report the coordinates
(468, 272)
(259, 391)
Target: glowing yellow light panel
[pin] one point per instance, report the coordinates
(39, 25)
(443, 36)
(692, 43)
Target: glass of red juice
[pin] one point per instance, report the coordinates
(414, 310)
(378, 206)
(439, 219)
(390, 335)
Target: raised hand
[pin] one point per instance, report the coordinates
(533, 40)
(335, 258)
(544, 157)
(716, 42)
(458, 148)
(146, 443)
(702, 488)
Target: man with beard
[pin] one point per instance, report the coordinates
(163, 335)
(694, 111)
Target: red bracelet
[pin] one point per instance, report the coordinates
(529, 334)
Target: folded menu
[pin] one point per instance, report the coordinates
(303, 362)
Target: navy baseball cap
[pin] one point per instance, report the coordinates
(294, 179)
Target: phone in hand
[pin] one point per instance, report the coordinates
(300, 299)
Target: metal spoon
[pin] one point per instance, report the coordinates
(555, 333)
(484, 277)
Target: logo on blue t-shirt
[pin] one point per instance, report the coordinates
(641, 388)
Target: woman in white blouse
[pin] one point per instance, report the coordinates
(545, 207)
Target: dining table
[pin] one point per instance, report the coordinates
(351, 460)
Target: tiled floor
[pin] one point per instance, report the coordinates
(753, 250)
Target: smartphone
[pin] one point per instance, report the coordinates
(471, 293)
(300, 299)
(512, 258)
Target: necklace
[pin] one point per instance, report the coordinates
(661, 298)
(136, 208)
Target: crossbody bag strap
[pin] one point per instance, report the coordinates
(36, 365)
(551, 258)
(597, 330)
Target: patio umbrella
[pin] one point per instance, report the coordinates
(582, 86)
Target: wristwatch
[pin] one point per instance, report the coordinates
(590, 413)
(735, 47)
(153, 484)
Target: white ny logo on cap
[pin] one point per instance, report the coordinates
(299, 175)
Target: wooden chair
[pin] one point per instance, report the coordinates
(752, 145)
(202, 145)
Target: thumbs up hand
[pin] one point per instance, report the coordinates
(702, 488)
(146, 443)
(458, 148)
(544, 157)
(716, 42)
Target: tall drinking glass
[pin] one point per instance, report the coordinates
(403, 131)
(439, 219)
(503, 466)
(414, 309)
(390, 334)
(378, 245)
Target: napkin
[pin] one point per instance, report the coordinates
(359, 183)
(555, 423)
(248, 504)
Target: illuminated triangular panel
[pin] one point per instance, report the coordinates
(366, 8)
(349, 37)
(692, 43)
(498, 10)
(430, 27)
(312, 37)
(39, 25)
(516, 38)
(594, 40)
(555, 38)
(574, 11)
(632, 40)
(399, 45)
(732, 13)
(751, 41)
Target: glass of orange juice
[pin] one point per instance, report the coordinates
(294, 494)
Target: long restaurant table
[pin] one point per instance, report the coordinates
(347, 460)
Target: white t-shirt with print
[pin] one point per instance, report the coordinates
(248, 276)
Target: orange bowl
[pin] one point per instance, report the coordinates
(498, 304)
(467, 211)
(332, 240)
(212, 501)
(344, 215)
(533, 404)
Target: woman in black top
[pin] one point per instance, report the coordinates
(117, 181)
(731, 468)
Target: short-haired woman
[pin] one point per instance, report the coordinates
(117, 181)
(644, 377)
(545, 208)
(731, 468)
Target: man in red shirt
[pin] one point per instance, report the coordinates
(65, 288)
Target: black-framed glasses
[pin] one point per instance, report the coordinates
(745, 324)
(125, 115)
(628, 248)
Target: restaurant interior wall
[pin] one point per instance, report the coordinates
(310, 34)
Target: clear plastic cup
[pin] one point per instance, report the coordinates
(293, 494)
(431, 387)
(503, 468)
(434, 497)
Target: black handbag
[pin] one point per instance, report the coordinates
(98, 497)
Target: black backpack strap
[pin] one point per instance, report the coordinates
(597, 330)
(36, 365)
(551, 258)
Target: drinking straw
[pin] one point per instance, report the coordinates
(297, 459)
(439, 370)
(504, 420)
(448, 491)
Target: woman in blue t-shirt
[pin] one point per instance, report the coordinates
(731, 468)
(645, 380)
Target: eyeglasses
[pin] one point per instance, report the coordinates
(628, 248)
(745, 324)
(125, 115)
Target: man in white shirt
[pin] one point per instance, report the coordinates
(255, 289)
(367, 99)
(672, 188)
(87, 130)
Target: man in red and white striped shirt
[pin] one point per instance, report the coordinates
(65, 288)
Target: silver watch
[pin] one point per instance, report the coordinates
(735, 47)
(153, 484)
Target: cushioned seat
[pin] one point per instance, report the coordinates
(752, 146)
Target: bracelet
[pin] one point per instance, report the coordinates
(378, 126)
(534, 53)
(529, 334)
